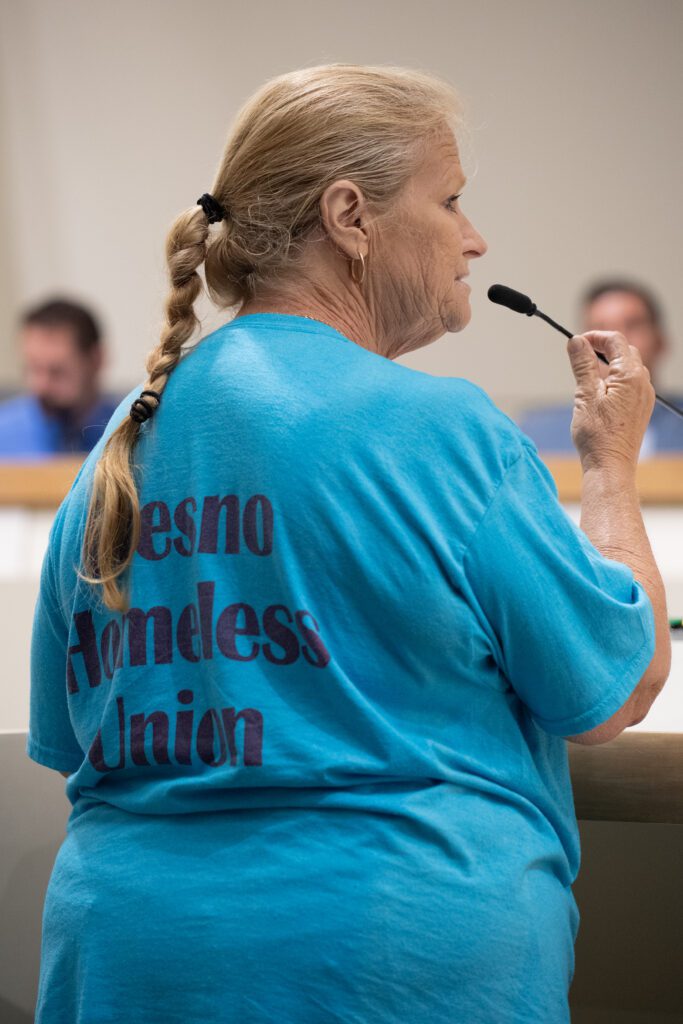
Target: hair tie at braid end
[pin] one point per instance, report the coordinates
(141, 410)
(211, 207)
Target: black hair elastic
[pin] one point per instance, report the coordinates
(141, 410)
(211, 207)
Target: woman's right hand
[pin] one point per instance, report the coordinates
(611, 410)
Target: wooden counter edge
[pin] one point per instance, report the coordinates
(636, 777)
(42, 483)
(659, 480)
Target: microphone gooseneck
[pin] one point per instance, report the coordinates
(518, 302)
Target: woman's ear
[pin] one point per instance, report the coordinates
(341, 211)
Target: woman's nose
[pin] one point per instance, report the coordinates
(476, 244)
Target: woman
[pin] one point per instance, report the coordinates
(292, 647)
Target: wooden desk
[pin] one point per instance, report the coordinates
(38, 483)
(41, 484)
(659, 480)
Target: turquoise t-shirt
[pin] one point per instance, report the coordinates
(318, 768)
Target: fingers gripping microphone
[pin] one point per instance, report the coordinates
(520, 303)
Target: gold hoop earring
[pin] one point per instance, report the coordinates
(353, 270)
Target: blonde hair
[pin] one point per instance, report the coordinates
(299, 133)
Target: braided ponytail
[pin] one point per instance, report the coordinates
(113, 525)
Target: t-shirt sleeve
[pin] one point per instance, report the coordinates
(51, 740)
(571, 630)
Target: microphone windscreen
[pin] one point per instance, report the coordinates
(516, 301)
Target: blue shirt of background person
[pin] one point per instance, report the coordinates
(62, 411)
(630, 308)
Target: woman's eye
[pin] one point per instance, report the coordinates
(452, 199)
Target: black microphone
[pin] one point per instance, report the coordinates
(505, 296)
(520, 303)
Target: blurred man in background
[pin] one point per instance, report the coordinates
(62, 411)
(630, 308)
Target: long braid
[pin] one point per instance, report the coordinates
(185, 251)
(113, 526)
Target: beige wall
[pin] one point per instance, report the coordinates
(113, 118)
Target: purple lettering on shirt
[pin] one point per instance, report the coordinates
(227, 630)
(186, 524)
(186, 630)
(317, 646)
(136, 621)
(208, 536)
(138, 726)
(205, 592)
(96, 752)
(253, 735)
(148, 528)
(258, 503)
(87, 647)
(183, 729)
(111, 647)
(210, 727)
(279, 633)
(191, 630)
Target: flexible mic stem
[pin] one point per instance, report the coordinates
(520, 303)
(562, 330)
(568, 334)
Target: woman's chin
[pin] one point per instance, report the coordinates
(458, 318)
